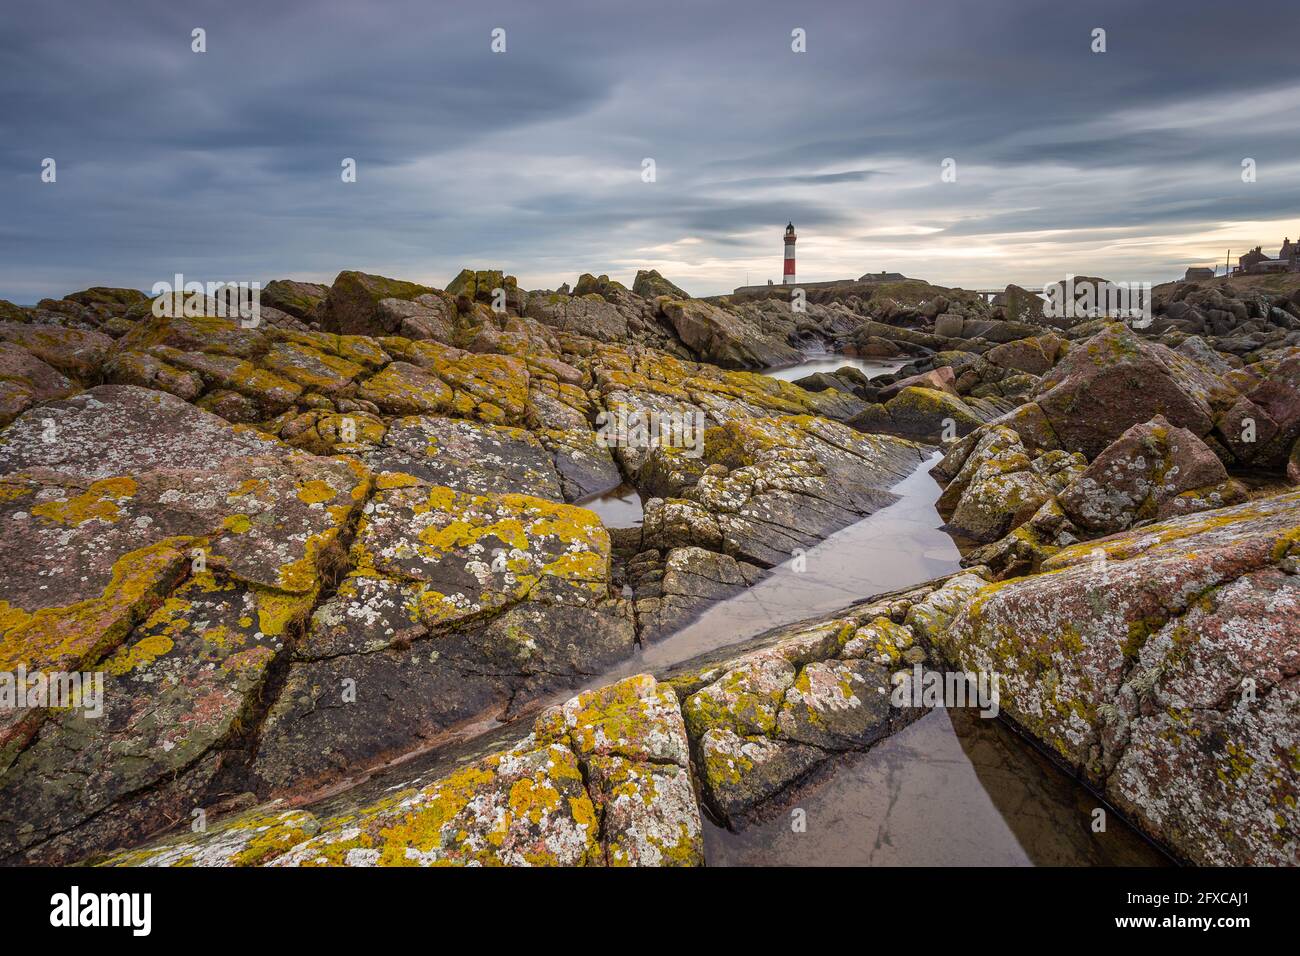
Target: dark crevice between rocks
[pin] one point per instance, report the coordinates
(622, 549)
(638, 628)
(1079, 778)
(602, 833)
(235, 778)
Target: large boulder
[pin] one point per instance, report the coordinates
(430, 315)
(1279, 398)
(1245, 429)
(1021, 305)
(589, 315)
(766, 718)
(77, 353)
(722, 339)
(941, 379)
(110, 300)
(1001, 486)
(649, 284)
(299, 299)
(1116, 380)
(1033, 355)
(1160, 664)
(1144, 474)
(352, 305)
(920, 413)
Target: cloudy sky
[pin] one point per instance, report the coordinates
(226, 165)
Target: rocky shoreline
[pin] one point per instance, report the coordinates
(306, 550)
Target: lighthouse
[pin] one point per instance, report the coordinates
(790, 237)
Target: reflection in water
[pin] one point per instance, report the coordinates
(898, 546)
(619, 508)
(951, 789)
(830, 362)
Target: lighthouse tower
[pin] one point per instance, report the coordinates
(790, 238)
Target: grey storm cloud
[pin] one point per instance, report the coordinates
(226, 164)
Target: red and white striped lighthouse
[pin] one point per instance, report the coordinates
(790, 237)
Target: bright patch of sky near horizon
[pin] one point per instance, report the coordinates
(225, 165)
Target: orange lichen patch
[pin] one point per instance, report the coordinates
(310, 367)
(388, 480)
(583, 566)
(224, 638)
(249, 839)
(315, 492)
(98, 502)
(75, 636)
(140, 654)
(440, 499)
(250, 486)
(570, 523)
(13, 490)
(276, 611)
(361, 349)
(238, 524)
(422, 830)
(513, 808)
(461, 534)
(11, 617)
(361, 490)
(304, 574)
(402, 388)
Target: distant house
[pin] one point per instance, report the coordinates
(1197, 273)
(1256, 262)
(883, 277)
(1251, 259)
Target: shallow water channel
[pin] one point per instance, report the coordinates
(950, 789)
(831, 362)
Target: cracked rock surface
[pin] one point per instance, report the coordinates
(337, 577)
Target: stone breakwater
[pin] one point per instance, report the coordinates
(301, 552)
